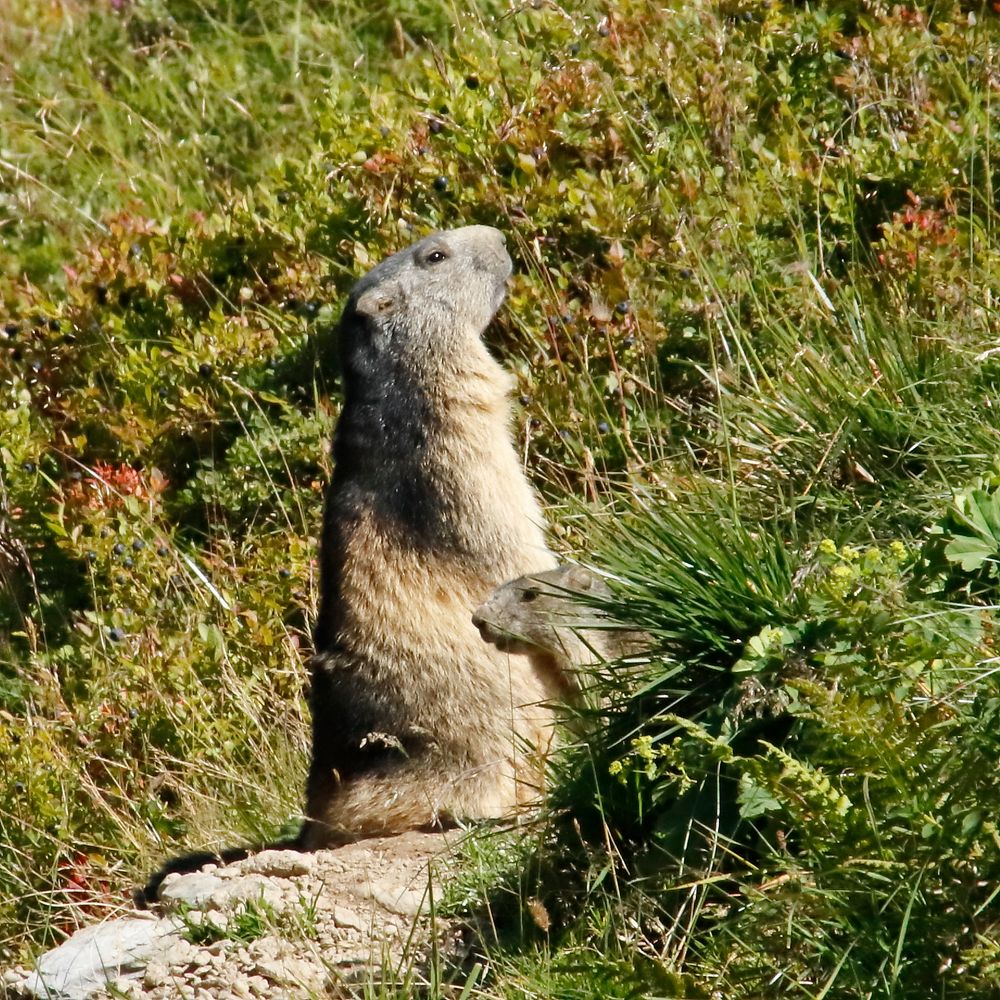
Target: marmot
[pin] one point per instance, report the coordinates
(416, 721)
(541, 616)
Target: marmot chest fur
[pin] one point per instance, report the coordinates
(417, 721)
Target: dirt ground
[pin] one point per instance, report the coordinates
(280, 924)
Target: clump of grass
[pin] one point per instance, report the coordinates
(807, 801)
(249, 921)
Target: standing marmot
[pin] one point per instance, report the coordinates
(417, 721)
(544, 617)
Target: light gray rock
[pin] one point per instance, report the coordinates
(192, 890)
(346, 913)
(277, 864)
(95, 956)
(405, 902)
(212, 892)
(348, 919)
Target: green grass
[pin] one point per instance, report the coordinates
(753, 327)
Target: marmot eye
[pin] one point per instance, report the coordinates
(436, 256)
(529, 595)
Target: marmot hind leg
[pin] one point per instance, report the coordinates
(408, 797)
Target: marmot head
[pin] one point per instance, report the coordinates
(429, 300)
(523, 615)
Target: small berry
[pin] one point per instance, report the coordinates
(282, 197)
(127, 562)
(162, 392)
(205, 370)
(524, 400)
(91, 556)
(472, 81)
(284, 573)
(628, 341)
(11, 329)
(138, 545)
(116, 634)
(119, 549)
(623, 307)
(19, 787)
(440, 183)
(54, 325)
(603, 427)
(105, 532)
(162, 551)
(133, 713)
(436, 126)
(28, 466)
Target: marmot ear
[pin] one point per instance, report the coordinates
(579, 578)
(376, 301)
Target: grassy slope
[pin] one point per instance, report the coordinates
(754, 310)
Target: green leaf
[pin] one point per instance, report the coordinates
(753, 800)
(969, 552)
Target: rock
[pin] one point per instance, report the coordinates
(405, 902)
(342, 917)
(344, 913)
(14, 977)
(259, 986)
(95, 956)
(213, 892)
(277, 864)
(193, 889)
